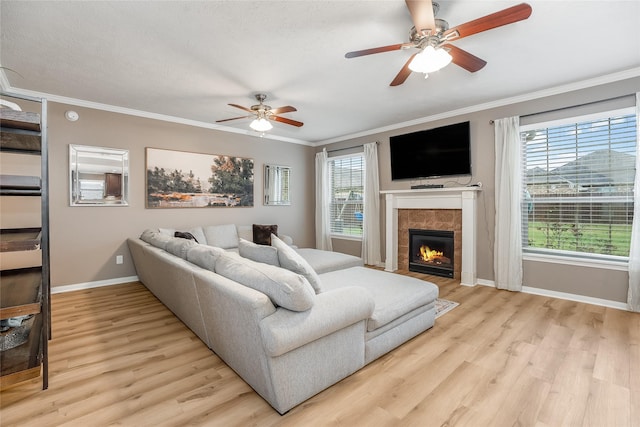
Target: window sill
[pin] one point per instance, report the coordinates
(346, 237)
(613, 264)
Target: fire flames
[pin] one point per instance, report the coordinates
(429, 255)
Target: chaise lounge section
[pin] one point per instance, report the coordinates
(288, 332)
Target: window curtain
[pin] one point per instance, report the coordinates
(507, 257)
(633, 298)
(323, 227)
(371, 215)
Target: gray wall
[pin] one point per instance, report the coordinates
(86, 240)
(592, 282)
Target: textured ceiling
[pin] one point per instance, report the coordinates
(189, 59)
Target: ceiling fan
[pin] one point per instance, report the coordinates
(263, 113)
(433, 36)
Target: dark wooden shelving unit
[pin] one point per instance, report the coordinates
(25, 292)
(20, 239)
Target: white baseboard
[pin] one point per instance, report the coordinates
(564, 295)
(482, 282)
(96, 284)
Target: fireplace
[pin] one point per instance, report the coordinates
(431, 252)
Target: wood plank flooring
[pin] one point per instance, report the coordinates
(119, 357)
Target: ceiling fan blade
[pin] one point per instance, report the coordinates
(422, 14)
(403, 74)
(464, 59)
(285, 120)
(233, 118)
(494, 20)
(241, 107)
(287, 109)
(373, 50)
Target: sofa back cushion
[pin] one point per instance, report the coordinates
(284, 288)
(204, 256)
(179, 246)
(155, 238)
(245, 232)
(291, 260)
(221, 236)
(258, 253)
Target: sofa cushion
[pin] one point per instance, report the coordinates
(258, 253)
(179, 246)
(262, 233)
(394, 294)
(325, 261)
(198, 233)
(245, 232)
(167, 231)
(284, 288)
(222, 236)
(155, 238)
(204, 256)
(291, 260)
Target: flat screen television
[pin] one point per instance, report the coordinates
(443, 151)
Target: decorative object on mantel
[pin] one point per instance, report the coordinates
(179, 179)
(263, 114)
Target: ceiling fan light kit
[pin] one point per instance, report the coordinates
(261, 125)
(430, 60)
(432, 38)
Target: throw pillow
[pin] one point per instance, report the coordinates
(291, 260)
(185, 235)
(258, 253)
(262, 233)
(284, 288)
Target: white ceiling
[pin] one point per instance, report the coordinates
(189, 59)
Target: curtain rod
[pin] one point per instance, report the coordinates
(348, 148)
(571, 106)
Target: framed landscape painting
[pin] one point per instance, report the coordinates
(179, 179)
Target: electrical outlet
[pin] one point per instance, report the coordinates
(119, 259)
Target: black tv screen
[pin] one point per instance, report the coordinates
(442, 151)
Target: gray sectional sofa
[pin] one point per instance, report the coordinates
(291, 322)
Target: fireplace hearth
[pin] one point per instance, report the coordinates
(431, 252)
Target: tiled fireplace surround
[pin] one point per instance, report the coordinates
(433, 209)
(430, 219)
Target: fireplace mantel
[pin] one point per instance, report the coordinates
(463, 198)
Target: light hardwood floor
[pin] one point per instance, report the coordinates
(118, 356)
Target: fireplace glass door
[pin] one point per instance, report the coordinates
(431, 252)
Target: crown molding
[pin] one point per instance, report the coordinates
(148, 115)
(558, 90)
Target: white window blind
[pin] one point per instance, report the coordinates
(346, 175)
(578, 181)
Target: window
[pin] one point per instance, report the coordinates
(578, 183)
(346, 177)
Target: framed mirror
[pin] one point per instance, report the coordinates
(98, 176)
(277, 181)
